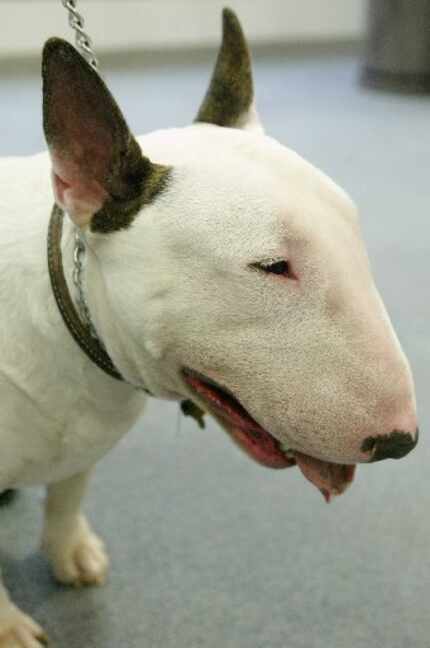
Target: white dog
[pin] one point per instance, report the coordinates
(215, 265)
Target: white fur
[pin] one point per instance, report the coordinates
(316, 361)
(63, 413)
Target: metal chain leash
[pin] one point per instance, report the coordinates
(83, 42)
(85, 46)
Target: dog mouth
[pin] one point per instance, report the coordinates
(330, 478)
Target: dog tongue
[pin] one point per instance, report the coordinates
(330, 478)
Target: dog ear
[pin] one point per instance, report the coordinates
(100, 176)
(229, 100)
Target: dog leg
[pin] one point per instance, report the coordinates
(17, 630)
(77, 555)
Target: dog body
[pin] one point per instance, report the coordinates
(63, 413)
(219, 266)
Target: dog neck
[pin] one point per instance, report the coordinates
(76, 316)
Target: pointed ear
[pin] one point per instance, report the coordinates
(100, 176)
(229, 100)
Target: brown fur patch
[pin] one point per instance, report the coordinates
(231, 91)
(117, 214)
(87, 132)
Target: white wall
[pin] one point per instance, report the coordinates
(160, 24)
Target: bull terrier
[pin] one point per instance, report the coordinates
(212, 264)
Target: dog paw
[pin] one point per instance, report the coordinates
(17, 630)
(78, 559)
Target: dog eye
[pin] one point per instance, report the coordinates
(280, 268)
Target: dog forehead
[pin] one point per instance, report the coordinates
(228, 152)
(264, 186)
(212, 148)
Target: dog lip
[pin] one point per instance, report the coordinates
(290, 450)
(244, 430)
(330, 478)
(192, 373)
(203, 378)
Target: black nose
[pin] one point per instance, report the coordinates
(390, 446)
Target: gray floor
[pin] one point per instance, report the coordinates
(209, 550)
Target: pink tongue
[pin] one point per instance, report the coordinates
(330, 478)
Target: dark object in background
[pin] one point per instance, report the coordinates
(7, 496)
(398, 45)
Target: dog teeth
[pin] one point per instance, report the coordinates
(286, 449)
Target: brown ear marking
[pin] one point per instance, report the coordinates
(231, 91)
(119, 213)
(90, 142)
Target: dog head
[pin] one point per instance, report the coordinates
(234, 271)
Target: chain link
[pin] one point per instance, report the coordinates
(78, 270)
(79, 251)
(82, 40)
